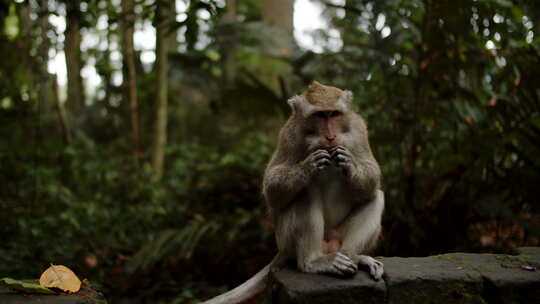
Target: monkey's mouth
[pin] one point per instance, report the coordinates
(326, 147)
(329, 146)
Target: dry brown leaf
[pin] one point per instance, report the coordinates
(61, 277)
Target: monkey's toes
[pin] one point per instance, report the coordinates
(344, 265)
(376, 270)
(375, 267)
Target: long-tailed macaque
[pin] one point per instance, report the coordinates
(322, 189)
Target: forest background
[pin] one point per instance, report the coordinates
(141, 170)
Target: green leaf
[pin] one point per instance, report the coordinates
(28, 286)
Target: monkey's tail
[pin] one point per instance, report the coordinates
(250, 288)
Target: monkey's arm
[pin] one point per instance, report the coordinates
(362, 171)
(284, 181)
(367, 175)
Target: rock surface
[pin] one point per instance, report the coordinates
(291, 286)
(84, 296)
(446, 278)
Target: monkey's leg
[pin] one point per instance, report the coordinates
(360, 232)
(304, 239)
(331, 246)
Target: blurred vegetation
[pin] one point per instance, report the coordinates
(450, 91)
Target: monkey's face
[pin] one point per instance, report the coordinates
(322, 114)
(325, 128)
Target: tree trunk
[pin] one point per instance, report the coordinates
(348, 31)
(73, 57)
(62, 116)
(107, 55)
(165, 37)
(229, 52)
(48, 86)
(278, 16)
(130, 82)
(44, 86)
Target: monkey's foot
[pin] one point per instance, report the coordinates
(335, 263)
(376, 268)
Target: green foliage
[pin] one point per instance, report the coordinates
(105, 213)
(172, 242)
(444, 95)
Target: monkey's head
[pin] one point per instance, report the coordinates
(322, 114)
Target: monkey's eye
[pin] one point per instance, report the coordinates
(310, 131)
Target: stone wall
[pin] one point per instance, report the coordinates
(85, 296)
(446, 278)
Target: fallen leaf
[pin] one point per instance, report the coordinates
(61, 277)
(27, 286)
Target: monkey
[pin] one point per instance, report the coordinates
(322, 188)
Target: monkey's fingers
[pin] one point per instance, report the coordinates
(320, 150)
(320, 154)
(341, 158)
(339, 150)
(345, 163)
(333, 149)
(322, 163)
(320, 159)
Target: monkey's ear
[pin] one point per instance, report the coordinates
(294, 101)
(347, 96)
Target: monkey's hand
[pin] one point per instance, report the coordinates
(318, 160)
(343, 159)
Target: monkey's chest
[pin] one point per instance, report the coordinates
(333, 197)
